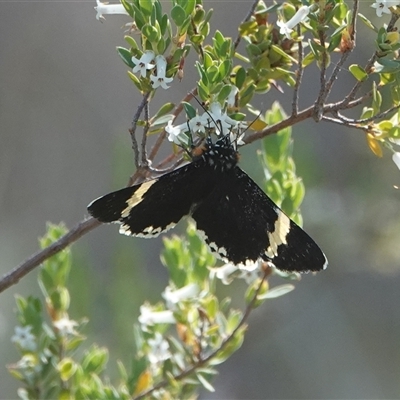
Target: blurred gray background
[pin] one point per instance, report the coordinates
(65, 106)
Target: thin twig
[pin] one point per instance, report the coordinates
(247, 18)
(132, 131)
(215, 353)
(370, 119)
(391, 26)
(144, 160)
(12, 277)
(347, 50)
(348, 124)
(318, 112)
(299, 75)
(353, 92)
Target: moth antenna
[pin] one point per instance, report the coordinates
(211, 117)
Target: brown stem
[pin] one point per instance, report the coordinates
(247, 18)
(132, 131)
(12, 277)
(299, 75)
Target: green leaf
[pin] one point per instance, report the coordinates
(67, 368)
(95, 360)
(60, 299)
(161, 121)
(246, 95)
(367, 112)
(247, 28)
(240, 76)
(308, 59)
(224, 93)
(358, 72)
(277, 291)
(135, 80)
(203, 92)
(276, 146)
(207, 385)
(213, 74)
(178, 15)
(165, 109)
(128, 7)
(151, 33)
(225, 69)
(376, 99)
(281, 52)
(384, 65)
(126, 56)
(189, 110)
(146, 6)
(367, 22)
(140, 19)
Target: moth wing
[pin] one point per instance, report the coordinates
(240, 222)
(153, 206)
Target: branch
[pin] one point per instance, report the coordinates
(299, 76)
(247, 18)
(87, 225)
(318, 108)
(12, 277)
(132, 131)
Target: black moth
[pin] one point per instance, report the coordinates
(238, 220)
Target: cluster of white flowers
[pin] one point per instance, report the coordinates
(382, 6)
(215, 119)
(249, 271)
(286, 28)
(149, 61)
(159, 347)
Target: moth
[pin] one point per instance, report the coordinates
(238, 221)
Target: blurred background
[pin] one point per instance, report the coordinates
(66, 104)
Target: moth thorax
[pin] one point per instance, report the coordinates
(221, 158)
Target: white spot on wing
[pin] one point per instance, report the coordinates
(278, 236)
(219, 251)
(137, 197)
(149, 232)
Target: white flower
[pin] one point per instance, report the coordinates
(250, 270)
(24, 338)
(173, 297)
(199, 123)
(159, 349)
(144, 63)
(103, 8)
(230, 101)
(150, 317)
(66, 326)
(383, 6)
(225, 272)
(396, 159)
(176, 133)
(160, 79)
(287, 27)
(238, 134)
(221, 119)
